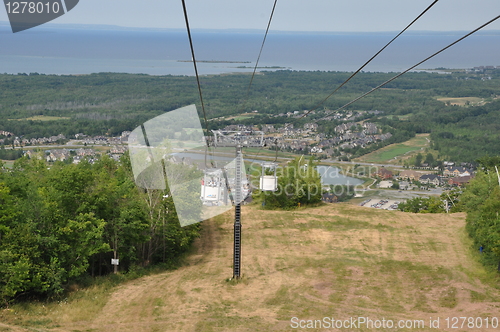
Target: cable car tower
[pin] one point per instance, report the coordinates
(238, 140)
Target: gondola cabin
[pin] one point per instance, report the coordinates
(213, 188)
(268, 178)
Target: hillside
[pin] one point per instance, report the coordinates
(336, 261)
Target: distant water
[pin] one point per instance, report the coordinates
(80, 51)
(332, 176)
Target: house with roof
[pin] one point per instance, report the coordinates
(268, 128)
(118, 149)
(85, 152)
(459, 180)
(311, 126)
(32, 154)
(410, 175)
(58, 155)
(370, 128)
(383, 173)
(431, 179)
(451, 171)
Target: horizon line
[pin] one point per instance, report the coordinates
(239, 30)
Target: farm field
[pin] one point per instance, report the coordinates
(464, 101)
(337, 260)
(395, 152)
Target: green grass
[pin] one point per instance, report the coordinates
(81, 303)
(389, 153)
(242, 117)
(43, 118)
(397, 150)
(405, 117)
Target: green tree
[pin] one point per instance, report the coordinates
(481, 201)
(429, 159)
(422, 205)
(418, 160)
(57, 224)
(298, 182)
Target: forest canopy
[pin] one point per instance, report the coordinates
(60, 223)
(459, 108)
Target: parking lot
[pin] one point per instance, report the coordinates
(385, 204)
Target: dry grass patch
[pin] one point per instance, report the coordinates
(463, 101)
(336, 260)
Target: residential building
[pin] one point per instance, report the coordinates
(459, 180)
(410, 175)
(56, 155)
(431, 179)
(451, 171)
(384, 173)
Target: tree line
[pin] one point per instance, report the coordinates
(481, 200)
(66, 221)
(109, 103)
(298, 184)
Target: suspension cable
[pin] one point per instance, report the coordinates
(370, 60)
(418, 64)
(258, 58)
(195, 66)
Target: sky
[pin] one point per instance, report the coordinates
(290, 15)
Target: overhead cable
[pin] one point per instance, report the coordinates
(258, 58)
(370, 60)
(418, 64)
(195, 66)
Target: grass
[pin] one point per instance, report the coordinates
(463, 101)
(335, 260)
(43, 118)
(81, 305)
(241, 116)
(405, 117)
(395, 152)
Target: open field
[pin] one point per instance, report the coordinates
(241, 116)
(43, 118)
(338, 260)
(464, 101)
(405, 117)
(395, 152)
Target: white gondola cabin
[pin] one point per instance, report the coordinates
(268, 178)
(213, 188)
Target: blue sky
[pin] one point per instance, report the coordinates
(291, 15)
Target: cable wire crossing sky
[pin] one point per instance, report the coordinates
(291, 15)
